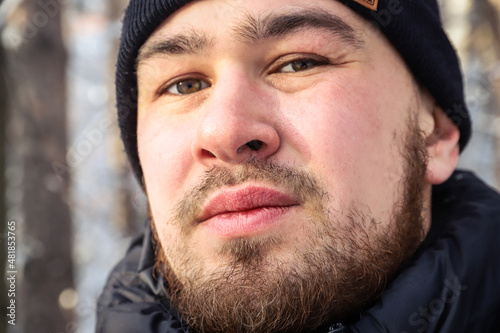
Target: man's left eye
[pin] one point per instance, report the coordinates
(299, 65)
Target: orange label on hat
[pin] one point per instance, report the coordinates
(371, 4)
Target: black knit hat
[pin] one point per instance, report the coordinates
(412, 26)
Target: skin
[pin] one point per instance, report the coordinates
(340, 116)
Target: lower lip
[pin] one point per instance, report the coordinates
(246, 223)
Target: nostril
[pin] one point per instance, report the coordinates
(255, 145)
(207, 153)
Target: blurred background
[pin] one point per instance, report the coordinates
(66, 183)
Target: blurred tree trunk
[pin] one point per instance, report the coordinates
(474, 26)
(484, 45)
(131, 208)
(37, 68)
(3, 214)
(491, 10)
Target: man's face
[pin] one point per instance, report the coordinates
(283, 160)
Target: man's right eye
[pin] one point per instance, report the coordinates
(186, 87)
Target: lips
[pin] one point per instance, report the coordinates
(240, 212)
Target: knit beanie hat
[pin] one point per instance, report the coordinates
(412, 26)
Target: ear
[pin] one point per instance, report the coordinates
(442, 146)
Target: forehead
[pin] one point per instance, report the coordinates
(226, 12)
(247, 20)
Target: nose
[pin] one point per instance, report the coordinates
(237, 123)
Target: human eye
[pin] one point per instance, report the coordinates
(184, 87)
(300, 65)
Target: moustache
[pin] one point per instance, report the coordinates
(300, 183)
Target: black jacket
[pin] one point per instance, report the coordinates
(451, 285)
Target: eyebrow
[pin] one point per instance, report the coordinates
(255, 29)
(190, 43)
(280, 25)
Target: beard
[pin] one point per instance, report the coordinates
(336, 272)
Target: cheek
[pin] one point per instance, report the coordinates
(350, 131)
(165, 158)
